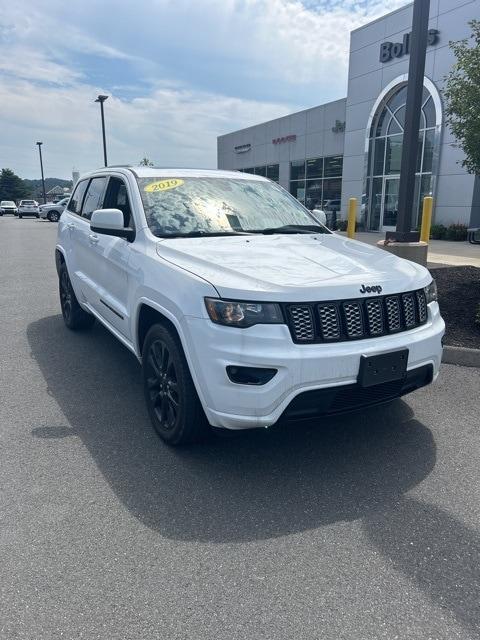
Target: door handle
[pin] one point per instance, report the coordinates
(93, 238)
(71, 225)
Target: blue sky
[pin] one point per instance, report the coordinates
(178, 73)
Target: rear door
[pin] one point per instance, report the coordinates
(105, 264)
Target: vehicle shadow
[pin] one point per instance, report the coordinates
(435, 551)
(257, 485)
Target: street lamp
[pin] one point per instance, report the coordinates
(41, 169)
(101, 100)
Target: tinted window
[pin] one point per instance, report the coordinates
(77, 198)
(93, 197)
(117, 198)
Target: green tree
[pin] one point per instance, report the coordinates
(12, 186)
(462, 95)
(146, 162)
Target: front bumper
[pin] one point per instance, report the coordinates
(300, 368)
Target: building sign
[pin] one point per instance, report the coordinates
(242, 148)
(290, 138)
(390, 50)
(339, 126)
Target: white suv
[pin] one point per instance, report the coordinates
(242, 309)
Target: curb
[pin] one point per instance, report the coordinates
(461, 356)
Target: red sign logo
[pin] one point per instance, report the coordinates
(290, 138)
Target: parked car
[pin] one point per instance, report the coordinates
(28, 208)
(8, 206)
(51, 211)
(242, 309)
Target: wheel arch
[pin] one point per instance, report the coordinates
(59, 259)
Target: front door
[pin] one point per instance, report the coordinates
(390, 203)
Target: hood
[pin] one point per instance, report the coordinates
(292, 268)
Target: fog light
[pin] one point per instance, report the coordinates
(250, 375)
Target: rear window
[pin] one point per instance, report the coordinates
(28, 201)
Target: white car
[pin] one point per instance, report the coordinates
(8, 206)
(52, 211)
(242, 309)
(28, 208)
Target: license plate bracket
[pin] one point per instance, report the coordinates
(385, 367)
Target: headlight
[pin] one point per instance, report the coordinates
(243, 314)
(431, 292)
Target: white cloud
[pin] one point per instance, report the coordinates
(173, 127)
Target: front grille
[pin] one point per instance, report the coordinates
(356, 319)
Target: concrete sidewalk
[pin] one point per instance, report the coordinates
(439, 251)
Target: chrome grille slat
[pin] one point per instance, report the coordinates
(392, 304)
(302, 321)
(353, 319)
(374, 309)
(329, 321)
(343, 320)
(409, 310)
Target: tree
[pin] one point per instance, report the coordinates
(462, 95)
(146, 162)
(12, 186)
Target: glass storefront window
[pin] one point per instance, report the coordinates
(297, 189)
(393, 156)
(333, 167)
(313, 199)
(385, 154)
(297, 170)
(315, 168)
(273, 172)
(261, 171)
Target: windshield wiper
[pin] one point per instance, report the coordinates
(291, 228)
(200, 234)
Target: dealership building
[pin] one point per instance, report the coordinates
(352, 147)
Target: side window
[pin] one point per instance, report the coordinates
(75, 204)
(93, 197)
(117, 198)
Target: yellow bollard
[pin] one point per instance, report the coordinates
(426, 219)
(352, 217)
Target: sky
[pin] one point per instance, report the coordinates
(178, 73)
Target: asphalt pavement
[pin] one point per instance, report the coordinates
(359, 527)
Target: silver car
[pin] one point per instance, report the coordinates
(28, 208)
(8, 206)
(52, 211)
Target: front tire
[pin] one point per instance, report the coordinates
(20, 216)
(172, 401)
(74, 316)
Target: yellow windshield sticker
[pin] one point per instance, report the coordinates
(163, 185)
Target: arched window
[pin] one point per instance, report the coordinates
(384, 154)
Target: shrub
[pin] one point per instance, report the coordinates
(457, 232)
(438, 232)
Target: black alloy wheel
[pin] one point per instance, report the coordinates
(162, 385)
(73, 315)
(172, 401)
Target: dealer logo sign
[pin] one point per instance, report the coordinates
(290, 138)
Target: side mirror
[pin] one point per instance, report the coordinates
(109, 222)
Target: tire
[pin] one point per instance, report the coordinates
(53, 216)
(74, 316)
(172, 401)
(20, 216)
(37, 216)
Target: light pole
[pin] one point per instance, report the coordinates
(101, 100)
(41, 169)
(408, 167)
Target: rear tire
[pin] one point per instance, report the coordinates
(74, 316)
(53, 216)
(20, 216)
(172, 401)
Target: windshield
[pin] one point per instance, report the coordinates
(7, 203)
(218, 206)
